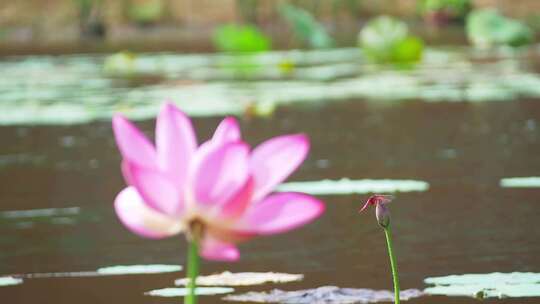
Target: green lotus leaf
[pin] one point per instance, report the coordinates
(501, 285)
(387, 40)
(487, 28)
(306, 27)
(146, 12)
(456, 8)
(234, 38)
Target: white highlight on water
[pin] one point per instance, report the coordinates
(349, 186)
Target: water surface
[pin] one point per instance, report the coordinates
(464, 223)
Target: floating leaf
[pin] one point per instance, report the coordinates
(138, 269)
(325, 294)
(260, 109)
(63, 90)
(107, 271)
(348, 186)
(243, 279)
(9, 281)
(516, 284)
(520, 182)
(181, 292)
(120, 64)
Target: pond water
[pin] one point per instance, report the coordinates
(58, 159)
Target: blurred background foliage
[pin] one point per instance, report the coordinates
(269, 52)
(387, 40)
(442, 12)
(305, 27)
(190, 25)
(233, 38)
(487, 28)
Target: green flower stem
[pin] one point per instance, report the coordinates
(393, 263)
(192, 270)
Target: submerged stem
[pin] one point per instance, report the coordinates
(193, 266)
(393, 263)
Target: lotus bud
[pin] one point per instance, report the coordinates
(381, 209)
(383, 215)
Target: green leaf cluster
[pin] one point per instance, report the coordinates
(233, 38)
(487, 28)
(146, 12)
(387, 40)
(306, 27)
(455, 8)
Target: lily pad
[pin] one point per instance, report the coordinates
(78, 89)
(182, 292)
(107, 271)
(347, 186)
(242, 279)
(118, 64)
(9, 281)
(138, 269)
(325, 294)
(501, 285)
(520, 182)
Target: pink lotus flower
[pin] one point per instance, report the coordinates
(220, 186)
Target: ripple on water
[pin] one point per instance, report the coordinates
(48, 212)
(27, 219)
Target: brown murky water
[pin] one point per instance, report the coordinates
(465, 223)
